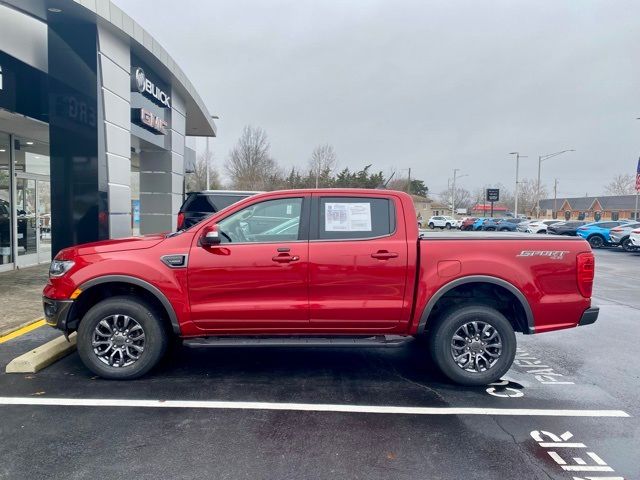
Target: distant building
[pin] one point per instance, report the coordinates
(484, 209)
(613, 207)
(427, 207)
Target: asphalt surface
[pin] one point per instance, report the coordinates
(592, 368)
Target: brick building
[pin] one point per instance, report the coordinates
(605, 207)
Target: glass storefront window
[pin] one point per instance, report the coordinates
(6, 255)
(135, 194)
(33, 201)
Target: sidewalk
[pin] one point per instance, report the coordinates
(21, 295)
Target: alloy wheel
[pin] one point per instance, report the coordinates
(476, 346)
(596, 241)
(118, 341)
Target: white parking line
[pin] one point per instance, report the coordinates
(307, 407)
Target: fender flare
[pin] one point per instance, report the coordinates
(153, 290)
(477, 279)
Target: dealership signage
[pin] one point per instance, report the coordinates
(149, 120)
(142, 84)
(493, 194)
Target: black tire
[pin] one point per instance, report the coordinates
(441, 336)
(627, 246)
(155, 337)
(448, 226)
(596, 241)
(504, 229)
(431, 226)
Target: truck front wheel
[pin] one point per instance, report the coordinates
(121, 338)
(473, 345)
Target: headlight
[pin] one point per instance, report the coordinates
(59, 267)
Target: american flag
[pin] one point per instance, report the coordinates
(638, 177)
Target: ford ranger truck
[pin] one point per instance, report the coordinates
(332, 267)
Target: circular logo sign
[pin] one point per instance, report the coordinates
(140, 79)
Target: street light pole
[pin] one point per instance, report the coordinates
(518, 157)
(541, 159)
(453, 191)
(555, 197)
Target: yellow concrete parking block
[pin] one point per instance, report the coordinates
(21, 330)
(42, 356)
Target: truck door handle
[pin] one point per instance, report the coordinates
(285, 258)
(384, 255)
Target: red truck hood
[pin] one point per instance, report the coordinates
(107, 246)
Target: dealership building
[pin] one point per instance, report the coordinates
(95, 120)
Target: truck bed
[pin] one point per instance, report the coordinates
(460, 235)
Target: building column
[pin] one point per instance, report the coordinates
(162, 177)
(78, 170)
(114, 62)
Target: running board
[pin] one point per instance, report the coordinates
(299, 341)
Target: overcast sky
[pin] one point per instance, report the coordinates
(427, 85)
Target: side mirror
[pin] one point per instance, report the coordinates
(210, 236)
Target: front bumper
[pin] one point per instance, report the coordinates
(589, 316)
(56, 312)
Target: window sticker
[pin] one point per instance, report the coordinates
(347, 217)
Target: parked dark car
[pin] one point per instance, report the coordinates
(508, 224)
(199, 205)
(565, 228)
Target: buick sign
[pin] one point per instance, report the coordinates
(149, 89)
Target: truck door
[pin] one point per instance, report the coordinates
(257, 277)
(357, 262)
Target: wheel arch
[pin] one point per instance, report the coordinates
(110, 285)
(523, 320)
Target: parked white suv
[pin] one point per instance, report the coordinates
(443, 222)
(540, 226)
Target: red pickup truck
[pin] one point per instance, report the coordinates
(319, 268)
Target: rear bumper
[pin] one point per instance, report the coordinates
(589, 316)
(56, 312)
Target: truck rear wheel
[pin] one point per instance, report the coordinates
(473, 345)
(121, 338)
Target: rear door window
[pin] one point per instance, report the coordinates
(344, 218)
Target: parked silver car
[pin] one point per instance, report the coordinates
(620, 236)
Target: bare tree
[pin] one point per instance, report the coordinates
(622, 184)
(250, 166)
(197, 181)
(462, 197)
(528, 195)
(322, 163)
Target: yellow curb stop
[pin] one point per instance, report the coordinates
(42, 356)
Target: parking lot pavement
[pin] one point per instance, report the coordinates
(587, 371)
(21, 294)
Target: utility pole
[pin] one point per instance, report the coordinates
(409, 183)
(541, 159)
(518, 157)
(453, 192)
(555, 198)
